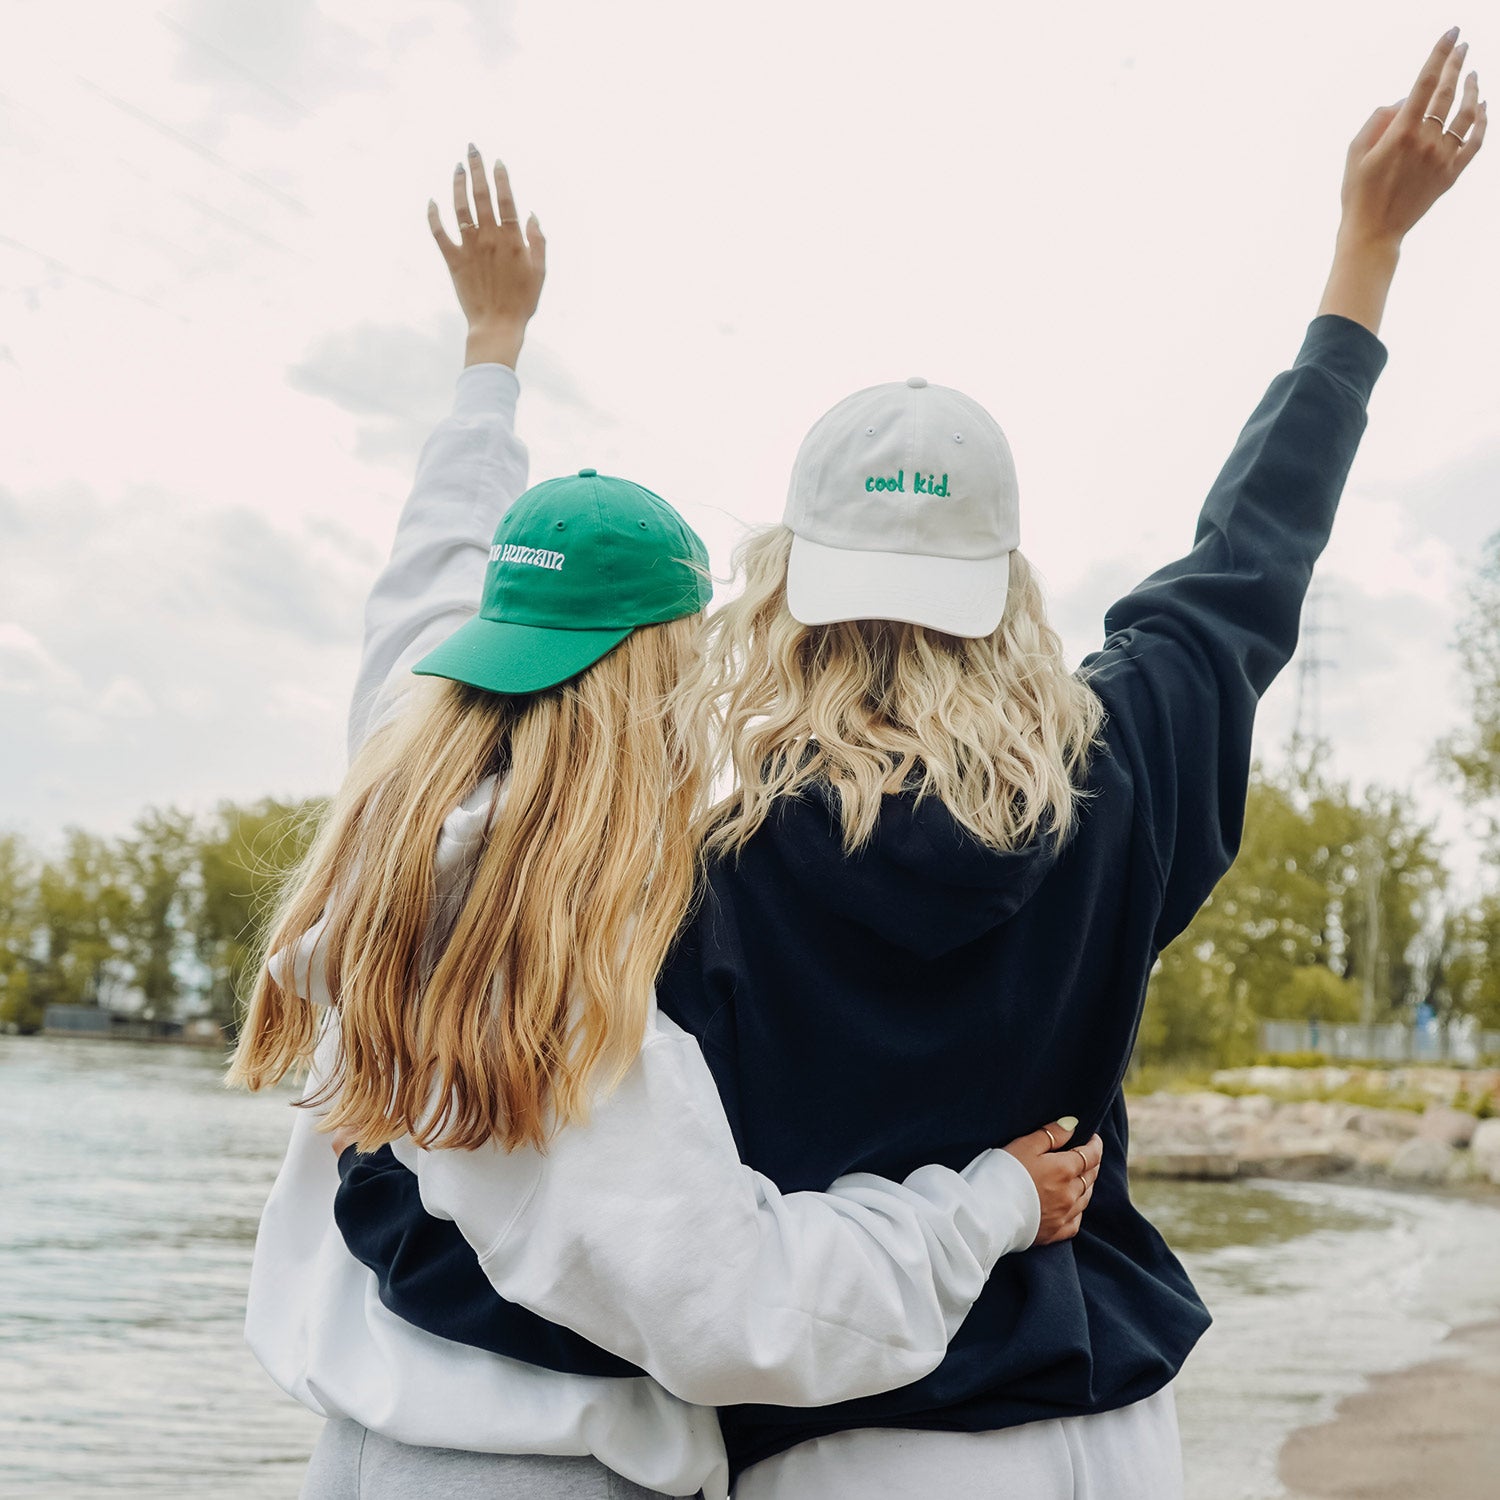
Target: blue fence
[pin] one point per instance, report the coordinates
(1433, 1041)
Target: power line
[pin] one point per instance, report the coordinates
(1307, 743)
(290, 200)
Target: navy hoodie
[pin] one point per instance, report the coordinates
(928, 997)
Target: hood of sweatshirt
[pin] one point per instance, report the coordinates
(923, 883)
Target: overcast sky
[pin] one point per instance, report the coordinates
(224, 329)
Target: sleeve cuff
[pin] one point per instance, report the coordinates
(1010, 1194)
(486, 390)
(1346, 349)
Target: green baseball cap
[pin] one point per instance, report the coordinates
(578, 563)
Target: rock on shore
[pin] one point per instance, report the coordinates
(1218, 1136)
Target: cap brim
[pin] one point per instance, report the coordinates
(507, 658)
(958, 595)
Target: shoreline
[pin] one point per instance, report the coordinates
(1326, 1124)
(1432, 1428)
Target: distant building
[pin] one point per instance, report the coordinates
(111, 1025)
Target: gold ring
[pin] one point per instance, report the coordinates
(1050, 1141)
(1081, 1156)
(1439, 118)
(1456, 136)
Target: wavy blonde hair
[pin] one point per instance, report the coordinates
(498, 1018)
(996, 728)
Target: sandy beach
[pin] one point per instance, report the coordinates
(1429, 1431)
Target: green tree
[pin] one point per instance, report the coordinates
(1390, 902)
(82, 908)
(158, 863)
(1471, 968)
(1323, 890)
(243, 859)
(1471, 756)
(20, 1006)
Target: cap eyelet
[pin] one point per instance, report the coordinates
(562, 525)
(869, 432)
(641, 524)
(958, 437)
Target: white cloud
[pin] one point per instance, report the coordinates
(219, 360)
(26, 665)
(125, 698)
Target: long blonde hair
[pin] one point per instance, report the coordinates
(996, 728)
(499, 1018)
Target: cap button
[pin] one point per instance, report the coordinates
(916, 382)
(588, 473)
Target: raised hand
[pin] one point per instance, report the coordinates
(1409, 154)
(497, 270)
(1064, 1176)
(1405, 157)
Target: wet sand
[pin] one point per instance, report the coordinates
(1431, 1432)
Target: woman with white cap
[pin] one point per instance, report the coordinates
(465, 961)
(938, 887)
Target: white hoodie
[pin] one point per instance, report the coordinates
(641, 1230)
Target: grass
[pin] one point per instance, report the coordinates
(1185, 1078)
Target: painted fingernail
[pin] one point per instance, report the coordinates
(1451, 34)
(1070, 1122)
(473, 149)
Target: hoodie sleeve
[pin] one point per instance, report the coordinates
(472, 467)
(642, 1231)
(1190, 651)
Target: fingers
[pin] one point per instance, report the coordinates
(536, 243)
(1468, 107)
(484, 213)
(435, 223)
(1442, 99)
(461, 200)
(505, 202)
(1418, 102)
(1475, 138)
(1053, 1137)
(1370, 132)
(1091, 1152)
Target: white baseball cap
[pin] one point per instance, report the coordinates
(903, 506)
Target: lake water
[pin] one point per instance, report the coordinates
(131, 1181)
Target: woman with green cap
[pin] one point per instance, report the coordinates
(466, 962)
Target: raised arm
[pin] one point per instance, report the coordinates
(473, 465)
(1191, 650)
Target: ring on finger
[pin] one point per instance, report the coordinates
(1047, 1130)
(1081, 1157)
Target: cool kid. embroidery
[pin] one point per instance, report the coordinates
(919, 485)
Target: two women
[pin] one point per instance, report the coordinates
(483, 916)
(931, 904)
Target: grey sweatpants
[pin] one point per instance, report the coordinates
(352, 1463)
